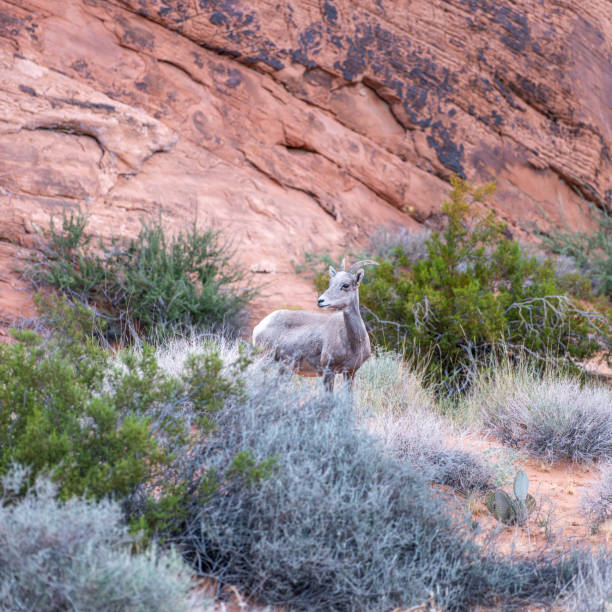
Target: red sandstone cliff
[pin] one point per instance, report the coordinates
(296, 125)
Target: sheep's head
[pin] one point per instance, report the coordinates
(342, 285)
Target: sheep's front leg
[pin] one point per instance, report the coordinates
(349, 379)
(328, 380)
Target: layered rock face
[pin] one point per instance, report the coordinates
(296, 125)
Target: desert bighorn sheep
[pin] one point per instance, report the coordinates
(314, 344)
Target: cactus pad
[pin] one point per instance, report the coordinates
(500, 505)
(521, 485)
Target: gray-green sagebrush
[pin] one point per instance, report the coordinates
(77, 555)
(340, 524)
(551, 415)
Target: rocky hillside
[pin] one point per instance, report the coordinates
(296, 125)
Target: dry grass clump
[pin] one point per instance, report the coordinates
(598, 502)
(592, 590)
(338, 525)
(552, 416)
(387, 385)
(172, 354)
(403, 414)
(385, 242)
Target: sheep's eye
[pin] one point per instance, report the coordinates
(345, 286)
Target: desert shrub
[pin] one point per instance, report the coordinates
(399, 410)
(551, 415)
(53, 415)
(476, 294)
(570, 278)
(336, 523)
(592, 587)
(591, 252)
(418, 439)
(100, 426)
(459, 469)
(391, 242)
(147, 284)
(209, 369)
(597, 504)
(77, 555)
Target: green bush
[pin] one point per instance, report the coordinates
(101, 427)
(143, 285)
(476, 294)
(77, 555)
(159, 506)
(592, 252)
(55, 415)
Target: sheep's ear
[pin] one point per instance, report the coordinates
(332, 272)
(359, 276)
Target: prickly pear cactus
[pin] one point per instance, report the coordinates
(516, 510)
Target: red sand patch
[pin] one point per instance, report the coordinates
(559, 521)
(233, 599)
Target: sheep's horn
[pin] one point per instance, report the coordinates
(360, 264)
(343, 264)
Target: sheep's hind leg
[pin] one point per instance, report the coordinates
(282, 366)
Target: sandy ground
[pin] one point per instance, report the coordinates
(559, 521)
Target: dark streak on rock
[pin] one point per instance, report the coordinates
(138, 37)
(265, 58)
(82, 68)
(218, 18)
(535, 94)
(336, 41)
(27, 90)
(201, 124)
(506, 94)
(197, 58)
(9, 25)
(515, 29)
(72, 130)
(109, 108)
(330, 12)
(234, 78)
(309, 41)
(448, 153)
